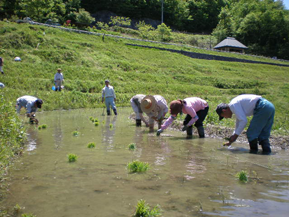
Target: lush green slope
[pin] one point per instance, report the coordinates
(86, 61)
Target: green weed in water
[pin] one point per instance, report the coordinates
(96, 124)
(242, 176)
(91, 145)
(137, 167)
(72, 157)
(75, 133)
(132, 146)
(143, 210)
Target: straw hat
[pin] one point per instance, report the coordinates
(149, 104)
(59, 69)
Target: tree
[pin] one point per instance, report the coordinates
(83, 17)
(164, 32)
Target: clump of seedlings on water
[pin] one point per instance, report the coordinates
(96, 123)
(143, 210)
(137, 167)
(110, 126)
(242, 176)
(91, 145)
(43, 126)
(75, 133)
(72, 157)
(132, 146)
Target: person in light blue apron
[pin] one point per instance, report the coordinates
(108, 95)
(260, 126)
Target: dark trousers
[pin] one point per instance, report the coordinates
(201, 114)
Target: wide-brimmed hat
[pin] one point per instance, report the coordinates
(149, 104)
(220, 108)
(176, 107)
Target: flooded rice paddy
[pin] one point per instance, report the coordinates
(186, 177)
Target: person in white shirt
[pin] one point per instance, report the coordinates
(108, 95)
(58, 79)
(156, 108)
(31, 104)
(260, 126)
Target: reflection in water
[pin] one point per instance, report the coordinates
(32, 138)
(108, 131)
(187, 177)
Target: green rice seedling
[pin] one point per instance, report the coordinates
(75, 133)
(72, 157)
(132, 146)
(90, 118)
(137, 167)
(110, 126)
(143, 210)
(96, 123)
(28, 215)
(44, 126)
(242, 176)
(39, 127)
(91, 145)
(17, 208)
(95, 120)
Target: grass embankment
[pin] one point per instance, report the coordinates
(86, 61)
(12, 135)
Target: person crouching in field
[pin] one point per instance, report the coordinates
(135, 102)
(196, 110)
(156, 108)
(260, 126)
(31, 104)
(109, 95)
(58, 79)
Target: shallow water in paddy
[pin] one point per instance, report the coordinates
(187, 177)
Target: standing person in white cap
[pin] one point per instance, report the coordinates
(156, 108)
(58, 79)
(135, 102)
(108, 95)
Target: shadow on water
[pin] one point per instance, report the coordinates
(187, 177)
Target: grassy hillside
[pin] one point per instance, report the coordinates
(86, 61)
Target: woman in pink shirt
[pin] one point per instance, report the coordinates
(196, 110)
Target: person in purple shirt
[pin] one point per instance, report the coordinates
(196, 110)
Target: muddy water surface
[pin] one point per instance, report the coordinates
(187, 177)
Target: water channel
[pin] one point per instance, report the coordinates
(186, 177)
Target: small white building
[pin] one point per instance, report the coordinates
(230, 44)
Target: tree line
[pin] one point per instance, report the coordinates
(262, 25)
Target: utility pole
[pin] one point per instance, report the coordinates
(162, 11)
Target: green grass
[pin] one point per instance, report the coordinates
(242, 176)
(91, 145)
(132, 146)
(86, 61)
(72, 157)
(75, 133)
(143, 210)
(137, 167)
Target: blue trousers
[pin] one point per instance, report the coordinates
(109, 102)
(262, 121)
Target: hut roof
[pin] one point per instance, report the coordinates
(230, 42)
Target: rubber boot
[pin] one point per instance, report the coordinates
(265, 146)
(138, 122)
(254, 146)
(190, 132)
(201, 132)
(115, 112)
(108, 112)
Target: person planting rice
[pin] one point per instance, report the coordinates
(260, 126)
(135, 102)
(196, 110)
(109, 95)
(156, 108)
(31, 104)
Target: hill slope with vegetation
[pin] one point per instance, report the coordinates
(87, 60)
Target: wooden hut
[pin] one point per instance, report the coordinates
(232, 45)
